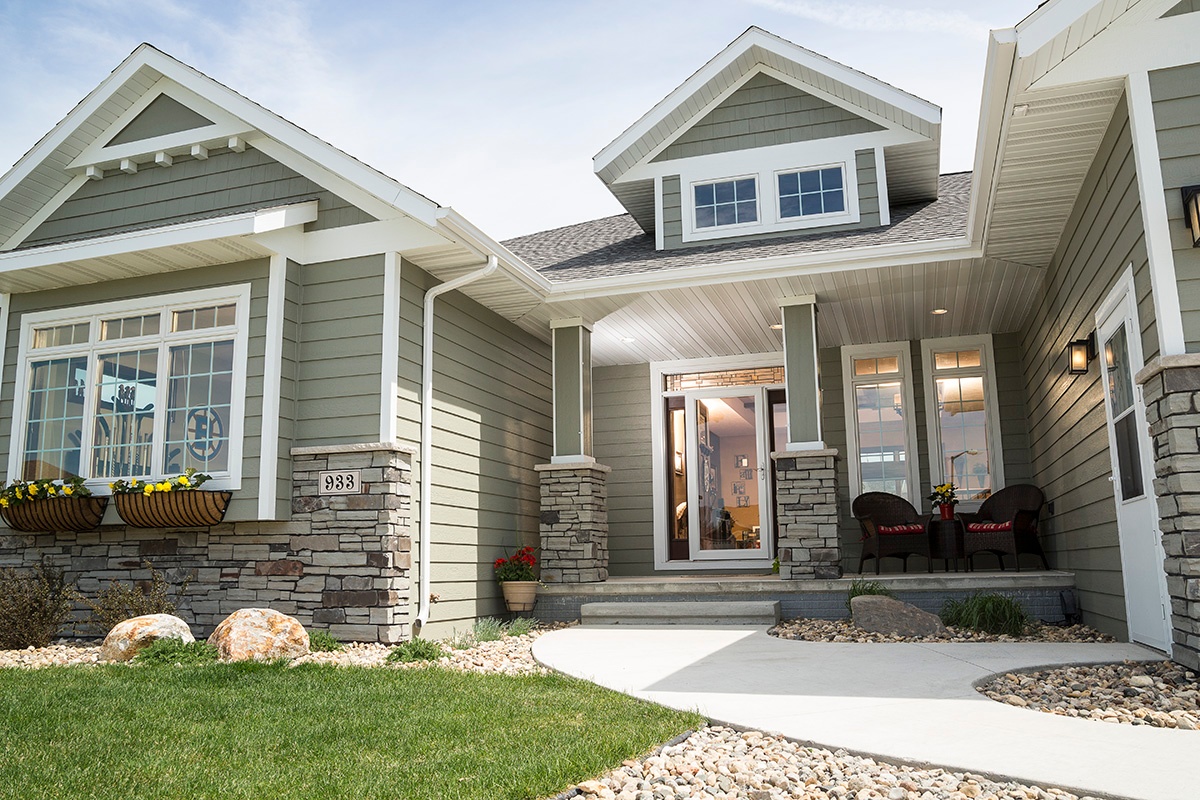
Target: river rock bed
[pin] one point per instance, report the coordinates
(1160, 694)
(720, 763)
(843, 630)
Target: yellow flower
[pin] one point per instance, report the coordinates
(149, 489)
(3, 502)
(163, 487)
(33, 489)
(68, 490)
(51, 490)
(183, 481)
(112, 486)
(19, 494)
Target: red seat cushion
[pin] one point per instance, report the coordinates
(914, 527)
(988, 527)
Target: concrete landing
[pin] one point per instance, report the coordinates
(913, 703)
(752, 612)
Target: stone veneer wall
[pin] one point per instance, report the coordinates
(806, 504)
(341, 563)
(574, 522)
(1171, 389)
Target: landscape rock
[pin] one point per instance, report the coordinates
(886, 615)
(259, 634)
(130, 637)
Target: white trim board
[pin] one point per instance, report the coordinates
(389, 368)
(268, 468)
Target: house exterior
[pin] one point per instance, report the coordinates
(795, 308)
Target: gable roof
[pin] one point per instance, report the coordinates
(617, 246)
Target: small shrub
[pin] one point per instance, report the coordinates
(867, 587)
(416, 650)
(34, 606)
(119, 602)
(168, 652)
(520, 626)
(488, 629)
(323, 642)
(461, 640)
(989, 613)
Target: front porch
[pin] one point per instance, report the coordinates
(818, 598)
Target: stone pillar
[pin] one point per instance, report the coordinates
(1171, 389)
(360, 544)
(574, 523)
(806, 501)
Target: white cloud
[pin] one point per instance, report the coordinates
(880, 17)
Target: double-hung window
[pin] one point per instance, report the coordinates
(141, 388)
(879, 419)
(962, 415)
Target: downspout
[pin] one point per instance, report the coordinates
(426, 456)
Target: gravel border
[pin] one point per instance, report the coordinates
(843, 630)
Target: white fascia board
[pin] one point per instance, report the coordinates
(956, 248)
(236, 225)
(922, 109)
(1128, 50)
(351, 241)
(994, 115)
(462, 231)
(796, 154)
(1048, 21)
(33, 223)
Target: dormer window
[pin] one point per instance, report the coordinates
(731, 202)
(811, 193)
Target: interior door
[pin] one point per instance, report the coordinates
(1130, 449)
(727, 446)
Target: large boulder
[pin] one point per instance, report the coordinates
(259, 634)
(887, 615)
(130, 637)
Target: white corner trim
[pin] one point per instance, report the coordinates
(1163, 282)
(33, 223)
(268, 468)
(658, 212)
(885, 208)
(389, 368)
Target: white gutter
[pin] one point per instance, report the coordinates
(426, 456)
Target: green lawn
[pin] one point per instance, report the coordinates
(262, 731)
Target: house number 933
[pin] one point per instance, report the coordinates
(346, 481)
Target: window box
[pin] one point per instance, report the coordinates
(56, 514)
(193, 508)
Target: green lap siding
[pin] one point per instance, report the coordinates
(163, 115)
(1176, 96)
(622, 441)
(1068, 437)
(491, 426)
(245, 502)
(193, 189)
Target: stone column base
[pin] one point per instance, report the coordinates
(574, 522)
(806, 502)
(1171, 388)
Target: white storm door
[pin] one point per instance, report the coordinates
(1130, 448)
(730, 515)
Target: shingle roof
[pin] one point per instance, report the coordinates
(617, 246)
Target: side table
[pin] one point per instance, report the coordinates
(946, 542)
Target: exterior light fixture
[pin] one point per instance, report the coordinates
(939, 311)
(1191, 211)
(1080, 353)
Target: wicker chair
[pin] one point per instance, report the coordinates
(891, 528)
(1006, 524)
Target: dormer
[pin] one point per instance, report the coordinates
(767, 140)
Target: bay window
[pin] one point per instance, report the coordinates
(141, 388)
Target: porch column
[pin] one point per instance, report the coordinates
(1171, 389)
(805, 473)
(800, 369)
(574, 491)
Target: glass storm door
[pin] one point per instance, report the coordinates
(1132, 477)
(727, 436)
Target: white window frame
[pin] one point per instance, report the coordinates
(849, 381)
(239, 295)
(758, 206)
(991, 399)
(823, 217)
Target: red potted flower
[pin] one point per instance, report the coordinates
(518, 580)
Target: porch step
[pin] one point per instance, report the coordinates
(681, 612)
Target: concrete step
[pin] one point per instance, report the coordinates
(681, 612)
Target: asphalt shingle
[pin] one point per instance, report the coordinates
(614, 246)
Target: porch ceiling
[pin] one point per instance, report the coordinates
(981, 295)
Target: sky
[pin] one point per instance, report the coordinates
(494, 108)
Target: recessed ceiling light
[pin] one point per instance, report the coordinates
(628, 339)
(778, 326)
(939, 311)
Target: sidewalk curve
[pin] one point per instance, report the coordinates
(909, 702)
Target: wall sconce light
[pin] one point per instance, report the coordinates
(1191, 211)
(1080, 353)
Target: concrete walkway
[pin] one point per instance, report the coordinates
(908, 702)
